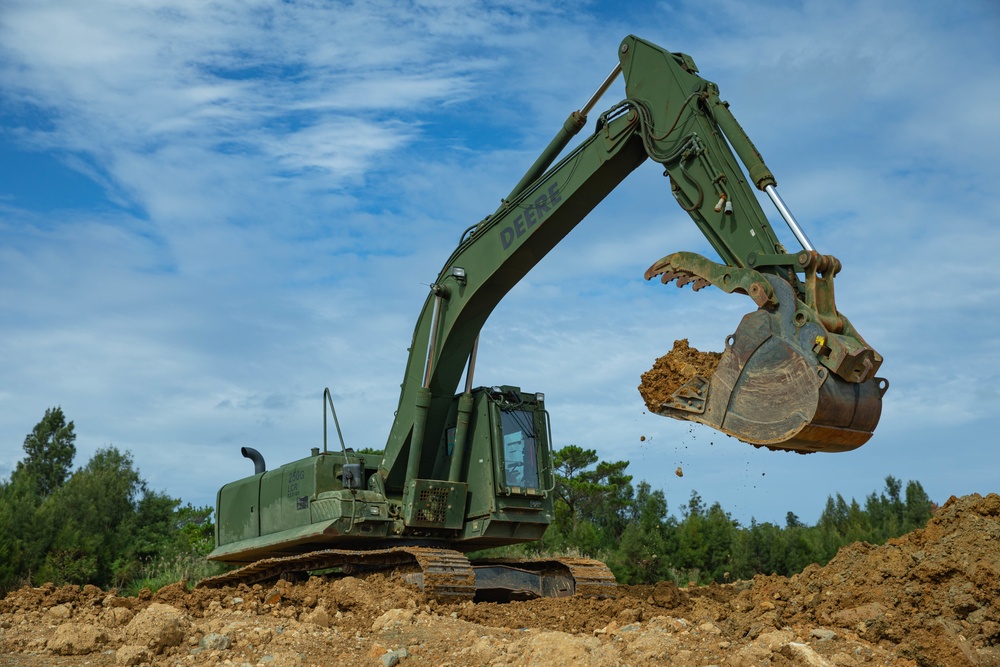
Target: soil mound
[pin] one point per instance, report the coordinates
(933, 594)
(672, 370)
(928, 599)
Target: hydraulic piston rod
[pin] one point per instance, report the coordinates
(772, 192)
(600, 91)
(574, 123)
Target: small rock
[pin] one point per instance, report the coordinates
(393, 618)
(851, 617)
(801, 654)
(116, 616)
(775, 639)
(157, 627)
(215, 642)
(318, 616)
(539, 649)
(130, 655)
(609, 629)
(60, 612)
(392, 658)
(76, 639)
(709, 628)
(666, 594)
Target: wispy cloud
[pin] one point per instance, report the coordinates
(282, 180)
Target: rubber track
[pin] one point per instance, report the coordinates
(592, 578)
(446, 573)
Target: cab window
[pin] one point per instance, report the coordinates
(520, 453)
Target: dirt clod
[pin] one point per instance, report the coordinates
(672, 370)
(928, 599)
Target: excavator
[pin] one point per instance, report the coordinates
(468, 469)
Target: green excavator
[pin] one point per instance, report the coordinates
(472, 468)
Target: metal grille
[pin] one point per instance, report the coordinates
(433, 505)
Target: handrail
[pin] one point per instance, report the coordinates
(328, 398)
(552, 467)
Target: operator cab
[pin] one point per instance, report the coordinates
(505, 460)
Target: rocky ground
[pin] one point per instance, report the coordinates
(929, 598)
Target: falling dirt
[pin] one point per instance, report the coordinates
(928, 599)
(672, 370)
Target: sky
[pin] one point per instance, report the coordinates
(211, 211)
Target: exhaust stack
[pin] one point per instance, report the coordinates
(258, 461)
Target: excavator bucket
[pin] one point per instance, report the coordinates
(773, 386)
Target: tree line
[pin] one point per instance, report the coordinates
(600, 513)
(101, 524)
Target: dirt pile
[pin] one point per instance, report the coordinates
(928, 599)
(672, 370)
(934, 594)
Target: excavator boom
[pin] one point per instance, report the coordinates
(676, 118)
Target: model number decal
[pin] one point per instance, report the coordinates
(294, 477)
(533, 213)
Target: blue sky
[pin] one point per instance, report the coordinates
(211, 211)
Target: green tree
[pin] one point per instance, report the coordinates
(611, 508)
(761, 550)
(99, 525)
(91, 520)
(918, 508)
(195, 529)
(50, 451)
(19, 550)
(802, 548)
(592, 501)
(642, 552)
(721, 533)
(692, 546)
(572, 488)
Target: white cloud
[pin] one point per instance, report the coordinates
(283, 180)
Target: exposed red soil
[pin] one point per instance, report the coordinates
(928, 599)
(672, 370)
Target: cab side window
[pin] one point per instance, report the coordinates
(520, 451)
